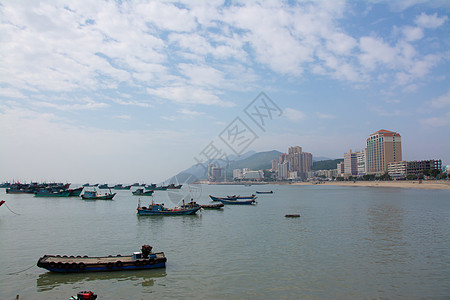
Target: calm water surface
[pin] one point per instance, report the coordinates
(349, 243)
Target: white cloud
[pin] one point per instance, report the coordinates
(325, 116)
(188, 95)
(435, 121)
(123, 117)
(412, 33)
(294, 115)
(88, 105)
(442, 101)
(189, 112)
(430, 21)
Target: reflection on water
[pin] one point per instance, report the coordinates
(387, 228)
(49, 280)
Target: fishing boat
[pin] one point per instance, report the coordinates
(160, 188)
(150, 186)
(159, 209)
(232, 198)
(75, 192)
(145, 259)
(103, 186)
(238, 202)
(174, 187)
(2, 202)
(121, 187)
(269, 192)
(212, 206)
(241, 197)
(93, 195)
(84, 295)
(45, 193)
(141, 192)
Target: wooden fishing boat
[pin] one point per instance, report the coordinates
(45, 193)
(141, 192)
(238, 202)
(160, 188)
(150, 186)
(71, 264)
(75, 192)
(159, 209)
(212, 206)
(104, 186)
(121, 187)
(93, 195)
(232, 198)
(174, 187)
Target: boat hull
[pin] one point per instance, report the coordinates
(75, 192)
(72, 264)
(238, 202)
(149, 212)
(50, 194)
(103, 197)
(212, 206)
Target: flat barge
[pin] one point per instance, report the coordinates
(77, 264)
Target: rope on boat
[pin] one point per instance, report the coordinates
(15, 273)
(11, 209)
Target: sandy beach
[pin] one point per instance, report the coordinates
(431, 185)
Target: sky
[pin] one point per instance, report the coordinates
(137, 91)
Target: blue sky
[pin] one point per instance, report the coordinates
(125, 91)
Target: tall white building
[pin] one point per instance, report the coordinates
(361, 162)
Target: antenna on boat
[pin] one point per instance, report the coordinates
(139, 203)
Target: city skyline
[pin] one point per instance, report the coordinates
(137, 91)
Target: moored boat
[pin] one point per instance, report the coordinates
(75, 192)
(52, 193)
(212, 206)
(160, 188)
(159, 209)
(141, 192)
(174, 187)
(121, 187)
(232, 198)
(71, 264)
(238, 202)
(93, 195)
(269, 192)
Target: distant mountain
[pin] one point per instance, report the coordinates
(320, 158)
(258, 161)
(326, 164)
(252, 160)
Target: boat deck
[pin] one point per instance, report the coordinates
(94, 259)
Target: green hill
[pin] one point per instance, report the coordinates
(326, 164)
(258, 161)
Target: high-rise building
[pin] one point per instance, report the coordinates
(383, 147)
(300, 163)
(361, 162)
(350, 164)
(283, 167)
(214, 173)
(274, 164)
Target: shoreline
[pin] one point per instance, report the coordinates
(424, 185)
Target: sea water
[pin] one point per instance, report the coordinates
(349, 243)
